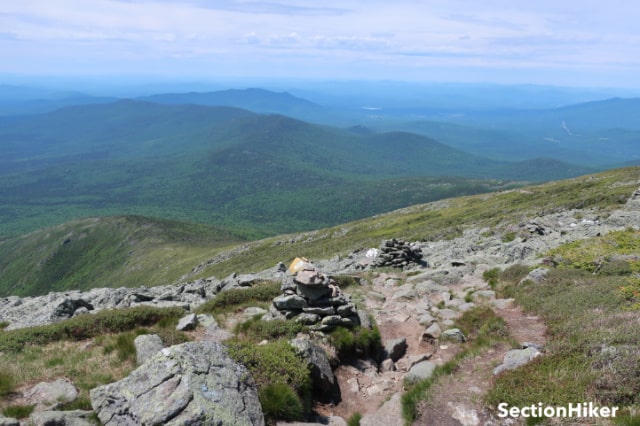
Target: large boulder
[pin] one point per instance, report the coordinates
(191, 383)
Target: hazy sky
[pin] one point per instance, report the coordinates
(561, 42)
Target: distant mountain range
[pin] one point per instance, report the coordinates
(257, 174)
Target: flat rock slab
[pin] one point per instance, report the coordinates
(191, 383)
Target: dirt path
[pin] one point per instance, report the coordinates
(457, 399)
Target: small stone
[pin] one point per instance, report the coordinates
(307, 319)
(454, 334)
(387, 365)
(432, 333)
(421, 371)
(188, 322)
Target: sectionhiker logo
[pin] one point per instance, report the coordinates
(577, 410)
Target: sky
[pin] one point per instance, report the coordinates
(587, 43)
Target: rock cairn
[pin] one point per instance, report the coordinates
(313, 298)
(399, 254)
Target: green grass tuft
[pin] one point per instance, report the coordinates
(18, 411)
(355, 419)
(280, 402)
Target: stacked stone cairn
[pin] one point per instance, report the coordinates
(312, 298)
(399, 254)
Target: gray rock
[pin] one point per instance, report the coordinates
(537, 275)
(387, 365)
(516, 358)
(311, 278)
(187, 323)
(426, 319)
(454, 335)
(405, 291)
(307, 319)
(313, 292)
(147, 345)
(322, 311)
(405, 364)
(466, 306)
(432, 333)
(322, 377)
(191, 383)
(332, 320)
(8, 421)
(67, 307)
(395, 348)
(348, 310)
(208, 322)
(446, 314)
(350, 321)
(290, 302)
(365, 320)
(62, 418)
(420, 371)
(47, 395)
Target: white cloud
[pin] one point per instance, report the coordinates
(391, 37)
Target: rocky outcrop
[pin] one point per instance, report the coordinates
(191, 383)
(22, 312)
(313, 298)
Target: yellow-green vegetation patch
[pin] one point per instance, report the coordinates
(599, 193)
(613, 253)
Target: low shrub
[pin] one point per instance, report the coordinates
(491, 276)
(355, 343)
(257, 330)
(275, 362)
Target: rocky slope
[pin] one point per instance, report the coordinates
(415, 308)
